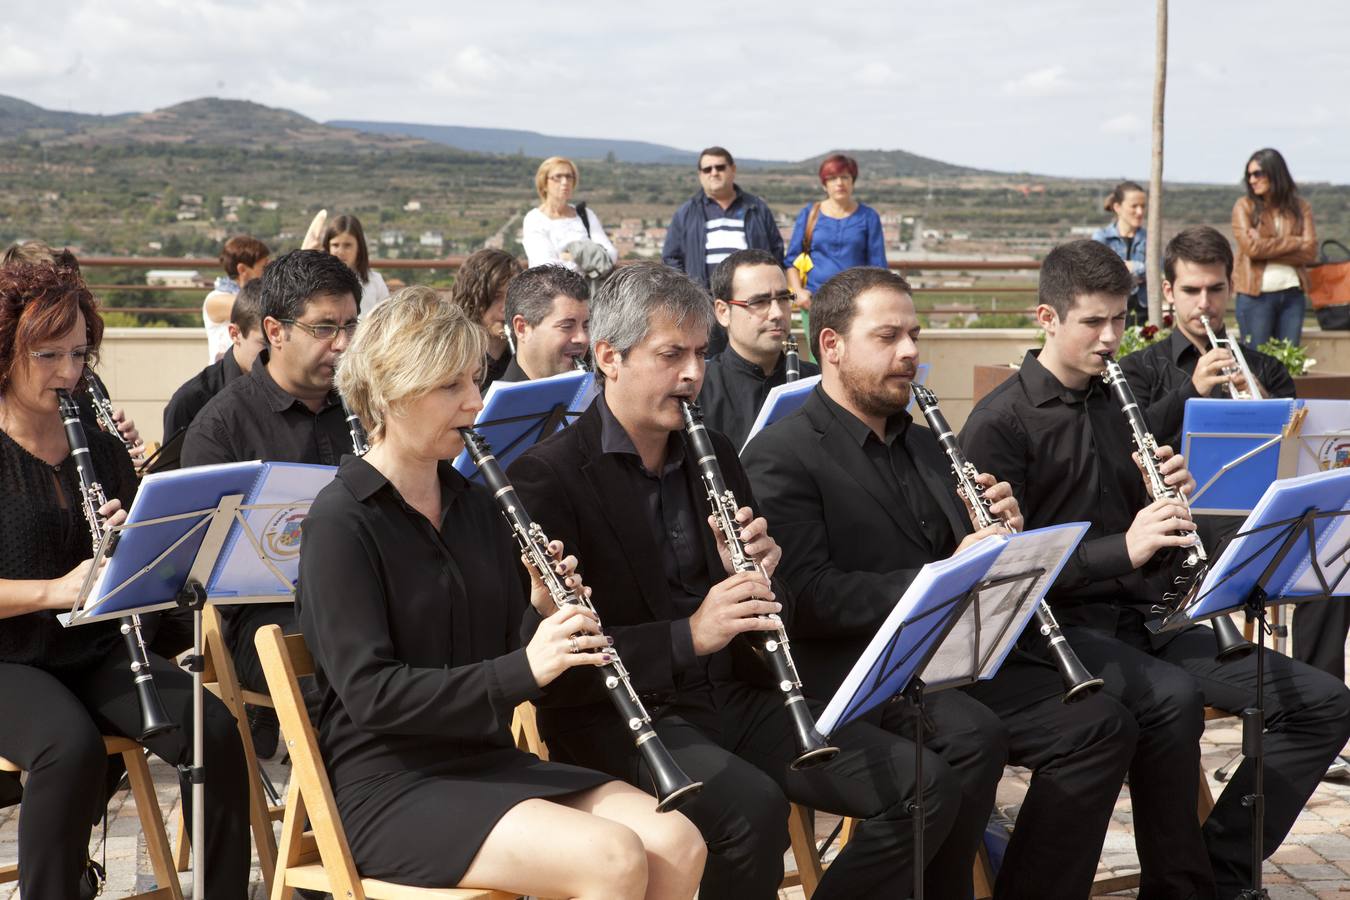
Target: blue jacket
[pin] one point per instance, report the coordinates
(687, 236)
(1132, 252)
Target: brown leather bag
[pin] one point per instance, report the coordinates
(1329, 288)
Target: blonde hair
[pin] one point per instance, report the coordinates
(541, 177)
(404, 348)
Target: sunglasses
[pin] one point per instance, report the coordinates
(1254, 174)
(715, 167)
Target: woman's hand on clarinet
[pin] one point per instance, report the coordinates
(754, 535)
(565, 568)
(126, 427)
(112, 513)
(570, 637)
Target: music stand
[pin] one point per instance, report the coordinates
(938, 630)
(225, 534)
(518, 414)
(1294, 548)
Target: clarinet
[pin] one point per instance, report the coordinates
(673, 786)
(1078, 681)
(774, 647)
(360, 443)
(792, 360)
(103, 409)
(154, 720)
(579, 364)
(1232, 645)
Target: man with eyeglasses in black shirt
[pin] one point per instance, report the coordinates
(1058, 437)
(284, 410)
(752, 302)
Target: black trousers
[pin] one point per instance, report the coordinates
(737, 739)
(245, 621)
(53, 729)
(1166, 688)
(1319, 631)
(1078, 754)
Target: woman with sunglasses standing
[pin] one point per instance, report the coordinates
(835, 234)
(1276, 240)
(551, 231)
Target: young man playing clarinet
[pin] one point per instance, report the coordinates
(860, 498)
(621, 490)
(1057, 436)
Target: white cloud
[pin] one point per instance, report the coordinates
(1047, 82)
(876, 74)
(1125, 123)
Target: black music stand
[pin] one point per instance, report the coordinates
(517, 415)
(1294, 548)
(955, 625)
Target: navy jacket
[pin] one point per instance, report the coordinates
(687, 236)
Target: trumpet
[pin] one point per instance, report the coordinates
(360, 443)
(1232, 645)
(1078, 681)
(103, 409)
(154, 720)
(673, 786)
(1251, 392)
(792, 359)
(776, 650)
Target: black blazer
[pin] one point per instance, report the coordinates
(582, 497)
(831, 513)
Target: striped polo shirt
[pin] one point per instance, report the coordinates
(725, 231)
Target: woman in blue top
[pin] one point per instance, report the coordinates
(843, 232)
(1127, 236)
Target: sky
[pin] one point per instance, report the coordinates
(1056, 87)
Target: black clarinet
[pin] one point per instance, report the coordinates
(103, 409)
(360, 443)
(792, 361)
(774, 647)
(1232, 645)
(1078, 681)
(673, 787)
(154, 720)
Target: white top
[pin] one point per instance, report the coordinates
(1278, 277)
(373, 293)
(545, 238)
(217, 333)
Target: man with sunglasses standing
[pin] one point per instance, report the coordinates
(716, 222)
(752, 302)
(284, 410)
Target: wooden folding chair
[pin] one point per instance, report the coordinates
(147, 808)
(320, 859)
(219, 677)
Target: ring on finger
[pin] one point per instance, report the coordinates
(572, 642)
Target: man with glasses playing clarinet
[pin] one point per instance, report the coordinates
(752, 302)
(284, 410)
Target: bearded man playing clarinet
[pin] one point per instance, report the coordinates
(1063, 443)
(61, 688)
(861, 497)
(625, 490)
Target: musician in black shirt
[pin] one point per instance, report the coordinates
(754, 305)
(861, 497)
(284, 410)
(1058, 437)
(247, 340)
(546, 315)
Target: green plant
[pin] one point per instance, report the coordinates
(1293, 356)
(1137, 337)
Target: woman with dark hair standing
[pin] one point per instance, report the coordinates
(346, 239)
(62, 688)
(1276, 240)
(1128, 238)
(480, 290)
(837, 233)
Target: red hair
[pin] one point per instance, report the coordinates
(39, 302)
(838, 164)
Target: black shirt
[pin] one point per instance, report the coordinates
(253, 418)
(1160, 376)
(197, 391)
(415, 628)
(734, 389)
(512, 374)
(494, 368)
(669, 511)
(1066, 455)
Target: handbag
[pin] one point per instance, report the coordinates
(1329, 288)
(803, 263)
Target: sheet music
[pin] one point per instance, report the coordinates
(781, 400)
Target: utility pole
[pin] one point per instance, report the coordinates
(1153, 250)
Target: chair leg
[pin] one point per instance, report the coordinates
(152, 823)
(182, 851)
(982, 877)
(804, 849)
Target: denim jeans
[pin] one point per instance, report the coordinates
(1276, 314)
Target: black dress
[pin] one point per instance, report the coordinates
(415, 637)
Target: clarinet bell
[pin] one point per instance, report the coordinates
(813, 748)
(1232, 645)
(673, 788)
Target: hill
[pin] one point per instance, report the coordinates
(897, 164)
(19, 119)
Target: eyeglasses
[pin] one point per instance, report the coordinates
(562, 177)
(325, 332)
(1254, 174)
(760, 305)
(715, 167)
(52, 358)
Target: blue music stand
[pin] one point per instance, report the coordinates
(1293, 548)
(1235, 448)
(518, 414)
(1002, 579)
